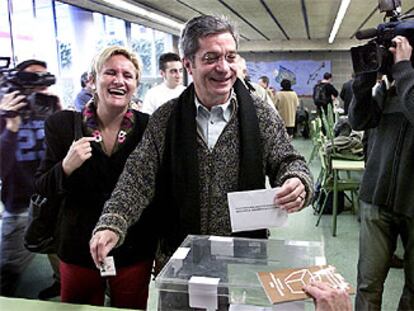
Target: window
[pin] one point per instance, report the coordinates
(5, 40)
(44, 36)
(22, 23)
(69, 40)
(149, 44)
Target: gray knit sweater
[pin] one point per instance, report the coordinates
(219, 171)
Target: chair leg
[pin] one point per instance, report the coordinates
(347, 197)
(312, 155)
(318, 182)
(353, 192)
(316, 202)
(321, 176)
(353, 201)
(335, 202)
(322, 208)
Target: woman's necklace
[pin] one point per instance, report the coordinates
(92, 127)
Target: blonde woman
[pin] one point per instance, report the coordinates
(85, 172)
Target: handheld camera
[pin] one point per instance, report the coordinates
(375, 55)
(39, 105)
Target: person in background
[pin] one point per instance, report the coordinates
(254, 88)
(264, 82)
(386, 208)
(347, 93)
(329, 92)
(287, 103)
(378, 91)
(21, 150)
(214, 139)
(273, 91)
(85, 93)
(171, 70)
(85, 171)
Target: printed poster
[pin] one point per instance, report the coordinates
(303, 74)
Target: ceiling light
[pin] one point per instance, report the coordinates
(145, 13)
(338, 20)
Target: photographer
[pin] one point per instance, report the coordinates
(21, 149)
(387, 208)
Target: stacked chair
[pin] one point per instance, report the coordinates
(315, 132)
(333, 162)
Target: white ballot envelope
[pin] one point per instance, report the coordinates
(108, 267)
(252, 210)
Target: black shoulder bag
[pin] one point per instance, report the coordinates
(44, 213)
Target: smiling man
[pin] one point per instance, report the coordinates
(171, 70)
(213, 139)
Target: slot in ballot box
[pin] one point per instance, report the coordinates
(220, 273)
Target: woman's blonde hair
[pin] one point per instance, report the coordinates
(105, 54)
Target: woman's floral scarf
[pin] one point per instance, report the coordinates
(90, 119)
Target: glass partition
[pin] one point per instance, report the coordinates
(67, 38)
(5, 39)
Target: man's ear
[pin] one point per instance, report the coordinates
(162, 73)
(188, 65)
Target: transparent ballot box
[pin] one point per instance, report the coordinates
(220, 273)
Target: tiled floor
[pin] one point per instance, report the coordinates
(340, 251)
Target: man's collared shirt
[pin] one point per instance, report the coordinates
(211, 123)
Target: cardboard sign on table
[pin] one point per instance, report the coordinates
(286, 285)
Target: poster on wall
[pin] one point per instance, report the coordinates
(303, 74)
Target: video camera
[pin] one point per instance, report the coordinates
(375, 55)
(39, 105)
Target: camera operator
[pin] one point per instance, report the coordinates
(386, 194)
(21, 150)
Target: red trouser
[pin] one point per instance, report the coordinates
(129, 288)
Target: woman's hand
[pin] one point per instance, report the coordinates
(12, 102)
(79, 152)
(101, 243)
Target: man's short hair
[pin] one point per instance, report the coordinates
(167, 57)
(265, 79)
(327, 75)
(286, 85)
(84, 79)
(30, 62)
(200, 27)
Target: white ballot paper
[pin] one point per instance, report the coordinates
(252, 210)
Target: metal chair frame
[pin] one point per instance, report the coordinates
(331, 166)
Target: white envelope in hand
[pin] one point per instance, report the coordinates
(252, 210)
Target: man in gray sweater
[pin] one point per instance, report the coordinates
(214, 139)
